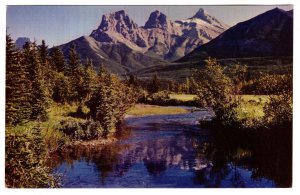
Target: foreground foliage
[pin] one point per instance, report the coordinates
(25, 159)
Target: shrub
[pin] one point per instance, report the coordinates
(77, 130)
(227, 116)
(279, 110)
(25, 161)
(159, 97)
(214, 88)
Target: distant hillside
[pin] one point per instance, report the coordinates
(268, 34)
(180, 70)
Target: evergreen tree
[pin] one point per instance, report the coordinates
(187, 85)
(46, 71)
(153, 86)
(43, 52)
(238, 75)
(61, 88)
(193, 86)
(38, 95)
(75, 74)
(133, 80)
(89, 80)
(17, 86)
(73, 62)
(57, 60)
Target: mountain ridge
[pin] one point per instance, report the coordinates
(268, 34)
(119, 40)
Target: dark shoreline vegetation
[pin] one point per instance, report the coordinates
(54, 103)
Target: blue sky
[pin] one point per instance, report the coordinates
(61, 24)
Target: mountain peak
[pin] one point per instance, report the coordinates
(268, 34)
(119, 18)
(20, 42)
(114, 26)
(200, 13)
(157, 20)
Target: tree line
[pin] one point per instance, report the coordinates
(35, 78)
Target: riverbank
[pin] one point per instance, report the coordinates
(172, 151)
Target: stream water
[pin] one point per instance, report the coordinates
(172, 151)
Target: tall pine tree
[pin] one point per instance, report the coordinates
(18, 86)
(38, 95)
(74, 72)
(89, 80)
(57, 60)
(46, 71)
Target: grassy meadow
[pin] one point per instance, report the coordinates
(143, 110)
(183, 97)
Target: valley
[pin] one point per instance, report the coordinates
(171, 103)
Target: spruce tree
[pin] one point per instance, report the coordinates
(43, 52)
(73, 62)
(38, 95)
(18, 86)
(57, 60)
(187, 85)
(47, 72)
(153, 86)
(89, 80)
(74, 72)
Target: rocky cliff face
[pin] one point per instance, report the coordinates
(119, 40)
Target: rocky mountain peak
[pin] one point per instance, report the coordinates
(200, 13)
(157, 20)
(115, 26)
(20, 42)
(119, 18)
(203, 15)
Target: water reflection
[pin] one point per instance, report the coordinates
(171, 151)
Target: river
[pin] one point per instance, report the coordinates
(171, 151)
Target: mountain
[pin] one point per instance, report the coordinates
(123, 46)
(20, 42)
(268, 34)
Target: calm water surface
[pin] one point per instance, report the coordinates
(172, 151)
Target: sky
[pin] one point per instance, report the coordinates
(61, 24)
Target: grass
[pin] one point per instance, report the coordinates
(183, 97)
(52, 136)
(142, 110)
(252, 106)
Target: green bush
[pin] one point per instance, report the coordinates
(227, 116)
(25, 161)
(77, 130)
(159, 97)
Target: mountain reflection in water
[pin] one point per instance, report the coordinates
(172, 151)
